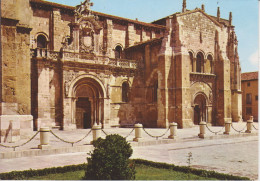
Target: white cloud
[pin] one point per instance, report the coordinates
(254, 58)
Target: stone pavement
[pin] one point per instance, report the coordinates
(235, 154)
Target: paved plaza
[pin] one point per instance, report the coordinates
(235, 154)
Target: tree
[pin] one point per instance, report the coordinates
(110, 160)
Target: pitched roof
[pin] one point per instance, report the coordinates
(56, 5)
(212, 18)
(154, 40)
(249, 76)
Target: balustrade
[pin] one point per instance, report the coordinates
(84, 58)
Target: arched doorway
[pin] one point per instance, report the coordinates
(200, 109)
(88, 103)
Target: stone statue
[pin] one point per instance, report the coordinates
(83, 7)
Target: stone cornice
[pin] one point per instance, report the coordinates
(9, 22)
(50, 5)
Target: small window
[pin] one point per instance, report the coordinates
(248, 111)
(41, 42)
(118, 52)
(249, 98)
(211, 63)
(125, 92)
(199, 62)
(256, 98)
(248, 84)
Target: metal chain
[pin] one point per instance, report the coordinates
(238, 130)
(15, 146)
(254, 127)
(214, 131)
(156, 136)
(104, 132)
(130, 133)
(71, 142)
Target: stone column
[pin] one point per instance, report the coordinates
(73, 110)
(173, 130)
(44, 138)
(43, 96)
(250, 124)
(202, 129)
(227, 127)
(138, 132)
(96, 131)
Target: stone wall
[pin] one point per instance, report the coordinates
(159, 64)
(15, 73)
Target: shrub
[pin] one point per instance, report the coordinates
(24, 175)
(199, 172)
(110, 160)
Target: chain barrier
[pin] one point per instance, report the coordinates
(238, 130)
(214, 131)
(104, 132)
(129, 133)
(71, 142)
(15, 146)
(254, 127)
(156, 136)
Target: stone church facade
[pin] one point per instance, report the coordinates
(70, 67)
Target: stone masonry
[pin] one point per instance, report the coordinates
(70, 67)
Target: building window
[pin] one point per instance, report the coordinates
(210, 59)
(249, 98)
(41, 41)
(199, 63)
(125, 92)
(118, 52)
(248, 84)
(248, 111)
(256, 98)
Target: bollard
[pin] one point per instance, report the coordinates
(138, 132)
(250, 124)
(202, 129)
(96, 131)
(44, 138)
(227, 127)
(173, 130)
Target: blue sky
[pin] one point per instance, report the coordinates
(245, 18)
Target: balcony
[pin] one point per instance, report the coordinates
(92, 59)
(205, 77)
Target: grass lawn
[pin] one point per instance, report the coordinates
(143, 172)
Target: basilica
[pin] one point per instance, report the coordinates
(70, 67)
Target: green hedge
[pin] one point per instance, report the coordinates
(23, 175)
(199, 172)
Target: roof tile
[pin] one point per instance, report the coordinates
(249, 76)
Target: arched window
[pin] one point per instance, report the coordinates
(191, 62)
(125, 92)
(118, 52)
(199, 62)
(41, 41)
(210, 59)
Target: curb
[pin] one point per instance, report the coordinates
(87, 148)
